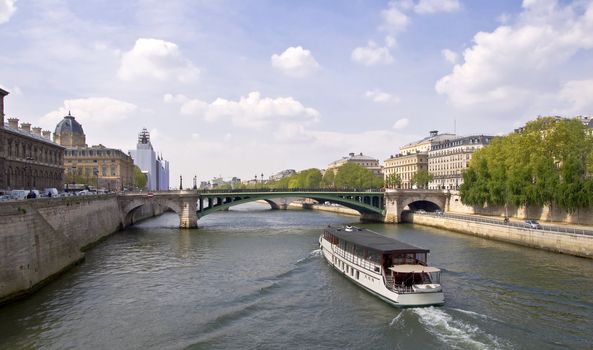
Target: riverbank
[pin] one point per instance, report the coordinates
(322, 207)
(566, 243)
(42, 238)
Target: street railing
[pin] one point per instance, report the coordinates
(501, 222)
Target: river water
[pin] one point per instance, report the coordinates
(252, 278)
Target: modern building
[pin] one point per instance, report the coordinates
(447, 160)
(28, 157)
(405, 166)
(155, 168)
(425, 144)
(365, 161)
(97, 166)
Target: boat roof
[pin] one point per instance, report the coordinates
(374, 241)
(408, 268)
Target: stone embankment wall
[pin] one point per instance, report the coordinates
(573, 244)
(545, 213)
(43, 237)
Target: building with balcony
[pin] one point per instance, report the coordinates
(405, 166)
(447, 160)
(425, 144)
(28, 157)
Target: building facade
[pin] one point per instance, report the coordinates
(405, 166)
(155, 168)
(448, 160)
(28, 157)
(98, 166)
(365, 161)
(425, 144)
(282, 174)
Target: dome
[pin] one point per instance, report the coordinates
(69, 133)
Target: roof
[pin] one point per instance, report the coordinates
(408, 268)
(431, 138)
(374, 241)
(30, 135)
(69, 124)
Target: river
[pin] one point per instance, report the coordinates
(252, 278)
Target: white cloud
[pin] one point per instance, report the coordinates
(515, 65)
(394, 20)
(578, 97)
(449, 56)
(252, 111)
(170, 98)
(401, 124)
(7, 9)
(433, 6)
(295, 62)
(158, 60)
(377, 95)
(94, 110)
(371, 55)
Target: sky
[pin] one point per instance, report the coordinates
(244, 87)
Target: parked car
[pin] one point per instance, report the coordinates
(420, 211)
(5, 197)
(532, 224)
(438, 212)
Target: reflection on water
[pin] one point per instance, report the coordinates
(254, 279)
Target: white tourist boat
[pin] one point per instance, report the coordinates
(392, 270)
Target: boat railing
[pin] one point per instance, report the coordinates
(356, 260)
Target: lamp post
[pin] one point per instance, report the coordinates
(262, 180)
(195, 182)
(180, 182)
(96, 181)
(255, 186)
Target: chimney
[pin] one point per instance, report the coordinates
(352, 154)
(26, 127)
(47, 134)
(37, 131)
(13, 123)
(2, 94)
(434, 133)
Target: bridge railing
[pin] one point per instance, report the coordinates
(295, 190)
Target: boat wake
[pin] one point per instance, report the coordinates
(397, 320)
(313, 254)
(456, 333)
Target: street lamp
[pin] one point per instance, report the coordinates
(262, 181)
(255, 186)
(180, 182)
(97, 181)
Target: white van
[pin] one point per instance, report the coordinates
(50, 192)
(19, 194)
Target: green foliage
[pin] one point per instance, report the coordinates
(393, 181)
(550, 162)
(329, 179)
(421, 178)
(306, 179)
(352, 175)
(140, 179)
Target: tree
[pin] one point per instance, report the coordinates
(328, 180)
(549, 162)
(352, 175)
(140, 179)
(393, 181)
(421, 178)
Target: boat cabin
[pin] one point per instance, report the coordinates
(403, 266)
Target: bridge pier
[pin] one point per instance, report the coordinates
(188, 217)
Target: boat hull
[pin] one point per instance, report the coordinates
(372, 281)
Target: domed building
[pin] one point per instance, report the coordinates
(96, 166)
(69, 133)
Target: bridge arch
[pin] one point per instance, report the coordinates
(363, 202)
(131, 208)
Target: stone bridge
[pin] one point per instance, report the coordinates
(372, 205)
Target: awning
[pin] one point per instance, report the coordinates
(407, 268)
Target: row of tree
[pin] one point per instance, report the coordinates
(549, 163)
(348, 176)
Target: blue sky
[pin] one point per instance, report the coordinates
(235, 88)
